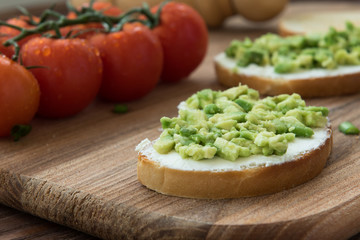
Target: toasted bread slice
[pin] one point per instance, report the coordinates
(218, 178)
(307, 83)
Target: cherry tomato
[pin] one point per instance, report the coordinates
(21, 21)
(7, 51)
(132, 60)
(69, 76)
(19, 95)
(184, 38)
(8, 32)
(87, 30)
(83, 31)
(107, 8)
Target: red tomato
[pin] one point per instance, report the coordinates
(83, 31)
(8, 32)
(20, 21)
(7, 51)
(70, 77)
(105, 7)
(132, 60)
(184, 38)
(19, 95)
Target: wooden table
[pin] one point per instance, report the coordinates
(60, 158)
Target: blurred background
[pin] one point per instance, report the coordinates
(6, 4)
(12, 3)
(9, 8)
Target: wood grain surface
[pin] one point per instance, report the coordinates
(18, 225)
(81, 172)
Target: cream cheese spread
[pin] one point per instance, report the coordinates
(295, 150)
(268, 70)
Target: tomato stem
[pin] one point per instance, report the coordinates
(158, 13)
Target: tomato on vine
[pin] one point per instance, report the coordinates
(19, 95)
(184, 38)
(88, 29)
(9, 32)
(133, 61)
(124, 62)
(7, 51)
(69, 72)
(21, 22)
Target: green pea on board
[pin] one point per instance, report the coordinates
(120, 108)
(348, 128)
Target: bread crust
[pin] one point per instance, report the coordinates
(308, 22)
(234, 184)
(307, 88)
(285, 32)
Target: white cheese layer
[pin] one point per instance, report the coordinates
(268, 71)
(173, 160)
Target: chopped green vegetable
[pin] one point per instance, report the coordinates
(294, 53)
(247, 106)
(19, 131)
(348, 128)
(235, 123)
(120, 108)
(211, 109)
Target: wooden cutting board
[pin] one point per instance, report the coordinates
(81, 172)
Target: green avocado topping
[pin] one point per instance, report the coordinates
(294, 53)
(236, 123)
